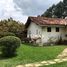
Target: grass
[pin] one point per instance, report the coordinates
(29, 54)
(63, 64)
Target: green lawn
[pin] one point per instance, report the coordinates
(63, 64)
(29, 54)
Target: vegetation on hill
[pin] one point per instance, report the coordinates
(57, 11)
(11, 26)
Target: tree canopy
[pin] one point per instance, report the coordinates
(12, 26)
(57, 11)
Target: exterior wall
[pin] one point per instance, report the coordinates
(34, 30)
(53, 35)
(65, 33)
(38, 31)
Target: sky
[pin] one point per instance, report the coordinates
(21, 9)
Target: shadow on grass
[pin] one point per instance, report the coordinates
(31, 44)
(44, 45)
(7, 57)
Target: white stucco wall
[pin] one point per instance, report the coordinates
(33, 28)
(42, 32)
(53, 34)
(65, 33)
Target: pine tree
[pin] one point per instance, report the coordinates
(65, 8)
(57, 11)
(49, 12)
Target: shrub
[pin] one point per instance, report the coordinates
(8, 45)
(26, 40)
(2, 34)
(60, 41)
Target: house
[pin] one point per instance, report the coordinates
(46, 30)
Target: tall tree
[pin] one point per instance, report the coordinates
(59, 10)
(65, 8)
(49, 12)
(12, 26)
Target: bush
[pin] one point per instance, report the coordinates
(26, 40)
(2, 34)
(60, 41)
(8, 45)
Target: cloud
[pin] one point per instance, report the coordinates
(21, 9)
(35, 7)
(9, 9)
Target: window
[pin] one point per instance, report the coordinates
(57, 29)
(49, 29)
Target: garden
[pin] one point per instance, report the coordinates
(29, 54)
(13, 52)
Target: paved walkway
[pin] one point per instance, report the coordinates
(63, 54)
(60, 58)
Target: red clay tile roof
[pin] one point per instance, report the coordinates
(46, 21)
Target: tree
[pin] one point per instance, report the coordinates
(12, 26)
(49, 12)
(59, 10)
(65, 8)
